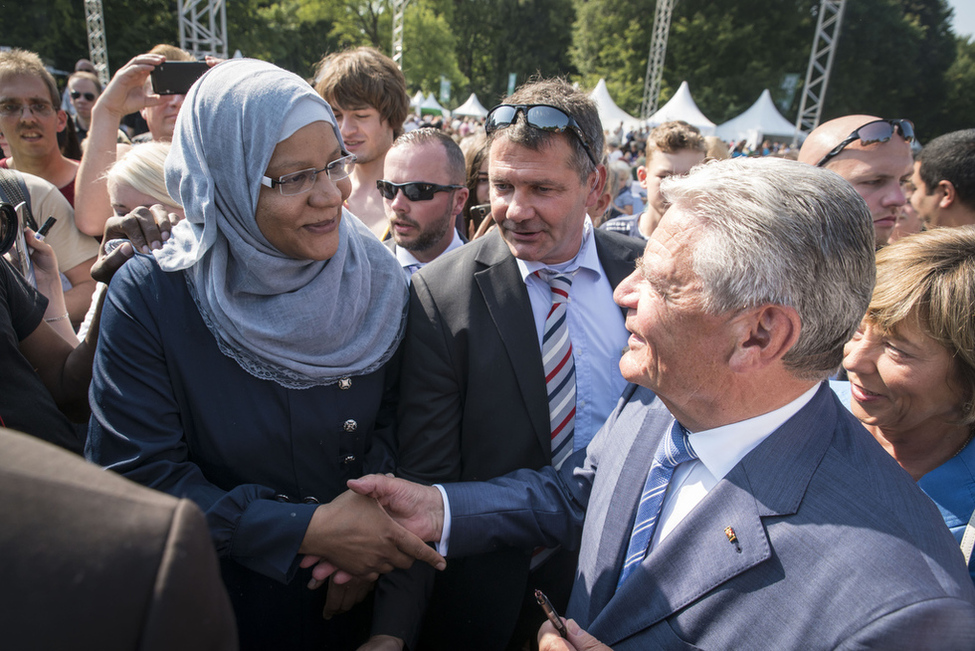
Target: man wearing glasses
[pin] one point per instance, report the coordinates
(30, 119)
(511, 357)
(873, 154)
(423, 192)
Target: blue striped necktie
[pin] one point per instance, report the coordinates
(672, 451)
(560, 370)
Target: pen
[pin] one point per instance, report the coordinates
(551, 614)
(45, 227)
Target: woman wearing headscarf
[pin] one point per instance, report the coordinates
(247, 364)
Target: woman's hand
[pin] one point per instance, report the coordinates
(342, 597)
(146, 229)
(45, 263)
(382, 643)
(126, 92)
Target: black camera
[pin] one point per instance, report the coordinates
(13, 246)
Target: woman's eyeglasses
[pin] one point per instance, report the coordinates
(540, 116)
(873, 132)
(304, 180)
(413, 191)
(75, 95)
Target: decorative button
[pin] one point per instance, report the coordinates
(349, 458)
(281, 497)
(345, 383)
(350, 425)
(311, 499)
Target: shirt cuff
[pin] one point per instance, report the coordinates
(445, 534)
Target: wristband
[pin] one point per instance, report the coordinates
(55, 319)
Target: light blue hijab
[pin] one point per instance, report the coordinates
(299, 323)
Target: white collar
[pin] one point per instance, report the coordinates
(586, 258)
(720, 449)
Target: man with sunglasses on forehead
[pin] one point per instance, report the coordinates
(423, 192)
(512, 349)
(874, 155)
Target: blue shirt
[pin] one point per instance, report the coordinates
(596, 328)
(951, 486)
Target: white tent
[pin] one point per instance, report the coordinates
(682, 107)
(471, 107)
(417, 99)
(431, 105)
(760, 121)
(609, 113)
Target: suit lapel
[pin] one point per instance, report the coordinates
(507, 301)
(617, 261)
(698, 556)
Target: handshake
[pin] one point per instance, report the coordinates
(380, 524)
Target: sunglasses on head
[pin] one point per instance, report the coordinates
(539, 116)
(873, 132)
(415, 191)
(88, 96)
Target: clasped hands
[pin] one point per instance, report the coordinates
(381, 523)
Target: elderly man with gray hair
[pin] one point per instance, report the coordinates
(730, 501)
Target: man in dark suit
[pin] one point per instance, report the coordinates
(474, 400)
(89, 560)
(423, 192)
(731, 501)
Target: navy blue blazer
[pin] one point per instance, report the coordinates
(839, 548)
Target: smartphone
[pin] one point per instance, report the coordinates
(479, 212)
(550, 612)
(176, 77)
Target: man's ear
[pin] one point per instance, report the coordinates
(641, 176)
(764, 335)
(597, 181)
(949, 196)
(62, 120)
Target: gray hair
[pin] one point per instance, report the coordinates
(785, 233)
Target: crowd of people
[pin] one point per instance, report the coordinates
(348, 378)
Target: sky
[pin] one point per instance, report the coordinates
(964, 19)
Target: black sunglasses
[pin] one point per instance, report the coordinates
(88, 96)
(540, 116)
(415, 191)
(872, 132)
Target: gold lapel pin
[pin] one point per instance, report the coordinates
(732, 538)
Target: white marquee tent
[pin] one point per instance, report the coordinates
(431, 105)
(682, 107)
(417, 99)
(471, 107)
(759, 122)
(609, 113)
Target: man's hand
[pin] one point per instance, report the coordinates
(417, 507)
(353, 533)
(550, 640)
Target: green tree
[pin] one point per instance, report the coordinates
(891, 60)
(960, 79)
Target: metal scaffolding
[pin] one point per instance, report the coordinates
(820, 64)
(97, 50)
(655, 62)
(399, 7)
(203, 27)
